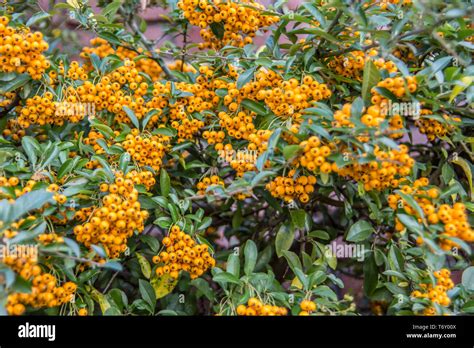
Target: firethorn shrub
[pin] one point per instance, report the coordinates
(308, 161)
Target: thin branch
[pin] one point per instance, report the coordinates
(393, 40)
(334, 22)
(110, 282)
(149, 46)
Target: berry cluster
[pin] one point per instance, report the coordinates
(6, 99)
(39, 110)
(434, 128)
(255, 307)
(373, 117)
(145, 178)
(177, 65)
(398, 86)
(205, 182)
(351, 65)
(453, 219)
(13, 182)
(438, 293)
(382, 173)
(74, 71)
(22, 51)
(289, 189)
(116, 220)
(240, 160)
(183, 254)
(92, 138)
(15, 131)
(146, 149)
(191, 100)
(49, 238)
(291, 97)
(44, 290)
(213, 137)
(15, 226)
(307, 307)
(239, 20)
(240, 125)
(315, 155)
(385, 3)
(102, 49)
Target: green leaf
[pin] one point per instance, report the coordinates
(119, 298)
(291, 151)
(217, 29)
(203, 287)
(245, 77)
(67, 167)
(468, 278)
(95, 60)
(284, 239)
(131, 115)
(225, 277)
(260, 176)
(21, 285)
(14, 84)
(370, 275)
(317, 32)
(50, 154)
(464, 83)
(147, 293)
(205, 223)
(395, 258)
(319, 131)
(411, 202)
(164, 183)
(319, 234)
(440, 64)
(24, 204)
(410, 222)
(113, 265)
(31, 147)
(165, 131)
(466, 167)
(254, 106)
(233, 264)
(359, 231)
(468, 307)
(98, 297)
(250, 253)
(299, 218)
(293, 260)
(36, 18)
(144, 265)
(151, 241)
(369, 79)
(237, 218)
(104, 129)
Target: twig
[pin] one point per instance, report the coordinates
(397, 39)
(331, 27)
(149, 46)
(185, 42)
(110, 282)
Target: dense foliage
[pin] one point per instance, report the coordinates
(311, 161)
